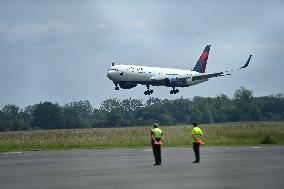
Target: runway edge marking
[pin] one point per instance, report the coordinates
(7, 153)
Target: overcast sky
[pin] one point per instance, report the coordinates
(60, 51)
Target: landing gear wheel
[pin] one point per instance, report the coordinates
(174, 91)
(148, 92)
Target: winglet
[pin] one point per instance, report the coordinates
(247, 63)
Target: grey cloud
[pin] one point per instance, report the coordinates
(30, 33)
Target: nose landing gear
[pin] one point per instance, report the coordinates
(116, 86)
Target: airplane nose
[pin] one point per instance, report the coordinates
(109, 74)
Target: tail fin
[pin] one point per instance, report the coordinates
(200, 65)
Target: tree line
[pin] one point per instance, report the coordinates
(134, 112)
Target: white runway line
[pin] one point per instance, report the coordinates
(243, 148)
(147, 150)
(7, 153)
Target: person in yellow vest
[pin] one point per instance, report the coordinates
(156, 136)
(196, 138)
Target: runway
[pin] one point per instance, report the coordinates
(132, 168)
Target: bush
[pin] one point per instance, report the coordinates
(268, 139)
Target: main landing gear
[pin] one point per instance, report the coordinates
(174, 91)
(116, 86)
(148, 92)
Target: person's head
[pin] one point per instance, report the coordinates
(156, 125)
(194, 124)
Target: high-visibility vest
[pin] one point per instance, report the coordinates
(157, 132)
(197, 132)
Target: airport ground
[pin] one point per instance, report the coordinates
(221, 167)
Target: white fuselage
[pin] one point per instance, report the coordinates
(145, 74)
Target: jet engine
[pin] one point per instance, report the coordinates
(172, 82)
(127, 85)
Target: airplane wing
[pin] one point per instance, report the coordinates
(180, 80)
(217, 74)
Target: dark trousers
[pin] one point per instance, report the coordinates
(157, 153)
(196, 151)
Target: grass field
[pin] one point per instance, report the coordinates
(244, 133)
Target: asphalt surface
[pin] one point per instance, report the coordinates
(220, 167)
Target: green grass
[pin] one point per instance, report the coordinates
(244, 133)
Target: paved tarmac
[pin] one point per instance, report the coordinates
(220, 167)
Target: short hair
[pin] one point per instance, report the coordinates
(155, 125)
(194, 124)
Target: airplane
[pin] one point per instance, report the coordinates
(129, 76)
